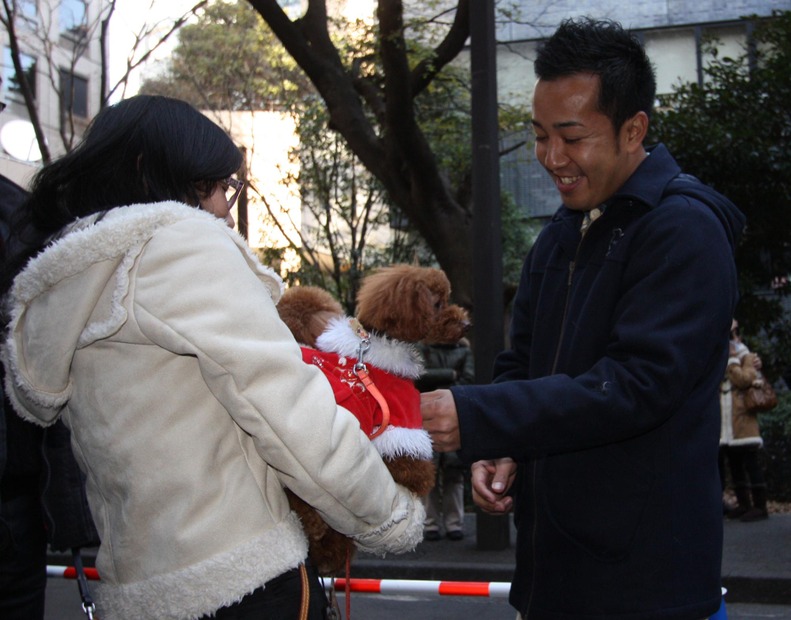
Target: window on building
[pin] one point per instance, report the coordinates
(731, 41)
(73, 95)
(524, 178)
(73, 18)
(12, 85)
(676, 49)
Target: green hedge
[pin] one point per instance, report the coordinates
(776, 432)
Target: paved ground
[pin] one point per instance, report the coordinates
(756, 570)
(756, 563)
(63, 603)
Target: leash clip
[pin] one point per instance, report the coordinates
(365, 344)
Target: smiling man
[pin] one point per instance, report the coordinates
(601, 427)
(577, 144)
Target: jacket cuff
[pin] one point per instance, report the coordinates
(401, 532)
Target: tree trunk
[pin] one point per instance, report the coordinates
(377, 120)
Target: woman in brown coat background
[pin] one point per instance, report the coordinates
(740, 439)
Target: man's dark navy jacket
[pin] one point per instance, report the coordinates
(608, 399)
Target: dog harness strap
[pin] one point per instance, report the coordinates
(371, 387)
(361, 370)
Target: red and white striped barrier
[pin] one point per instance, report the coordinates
(492, 589)
(69, 572)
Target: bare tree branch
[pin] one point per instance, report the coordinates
(446, 51)
(143, 35)
(104, 93)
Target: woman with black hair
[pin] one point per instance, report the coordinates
(146, 324)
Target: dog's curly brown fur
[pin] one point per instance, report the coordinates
(405, 303)
(449, 326)
(306, 311)
(408, 303)
(328, 548)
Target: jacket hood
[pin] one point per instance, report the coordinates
(659, 176)
(72, 293)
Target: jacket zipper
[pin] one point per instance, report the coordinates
(569, 279)
(533, 536)
(534, 533)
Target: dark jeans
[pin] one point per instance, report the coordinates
(23, 568)
(278, 600)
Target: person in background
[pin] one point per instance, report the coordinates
(741, 435)
(446, 364)
(137, 316)
(602, 423)
(42, 492)
(23, 541)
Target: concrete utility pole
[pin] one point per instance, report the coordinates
(492, 532)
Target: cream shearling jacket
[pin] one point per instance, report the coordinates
(153, 333)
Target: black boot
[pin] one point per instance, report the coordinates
(758, 512)
(742, 503)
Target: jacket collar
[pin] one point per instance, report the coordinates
(646, 185)
(123, 229)
(648, 182)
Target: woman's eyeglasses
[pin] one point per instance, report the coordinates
(233, 188)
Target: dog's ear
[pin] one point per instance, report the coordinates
(306, 310)
(426, 306)
(384, 300)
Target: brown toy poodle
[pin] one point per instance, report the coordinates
(371, 363)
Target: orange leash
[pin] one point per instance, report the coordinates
(305, 598)
(347, 588)
(362, 373)
(361, 370)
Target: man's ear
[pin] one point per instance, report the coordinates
(635, 130)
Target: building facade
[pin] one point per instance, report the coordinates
(60, 52)
(269, 213)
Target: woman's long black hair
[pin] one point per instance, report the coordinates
(144, 149)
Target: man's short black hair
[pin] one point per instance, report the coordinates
(603, 48)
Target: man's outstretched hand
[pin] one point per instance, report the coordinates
(441, 420)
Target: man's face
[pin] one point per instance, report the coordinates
(577, 144)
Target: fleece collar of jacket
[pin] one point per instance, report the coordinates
(394, 356)
(124, 229)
